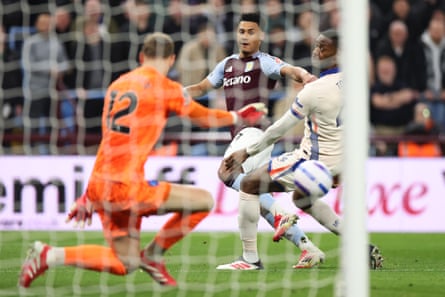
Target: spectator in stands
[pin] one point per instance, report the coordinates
(422, 125)
(307, 32)
(64, 26)
(10, 104)
(199, 55)
(179, 24)
(222, 19)
(433, 41)
(303, 22)
(329, 15)
(92, 74)
(93, 12)
(277, 42)
(392, 104)
(415, 15)
(375, 18)
(141, 21)
(275, 15)
(44, 61)
(248, 6)
(408, 56)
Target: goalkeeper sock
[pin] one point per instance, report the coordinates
(178, 226)
(248, 216)
(92, 257)
(325, 215)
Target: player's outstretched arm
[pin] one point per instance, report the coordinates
(273, 133)
(81, 211)
(298, 74)
(249, 115)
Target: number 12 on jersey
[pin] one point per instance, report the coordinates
(113, 119)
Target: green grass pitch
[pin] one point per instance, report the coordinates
(414, 266)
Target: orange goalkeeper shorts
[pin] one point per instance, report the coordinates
(121, 206)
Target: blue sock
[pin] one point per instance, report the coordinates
(294, 233)
(237, 182)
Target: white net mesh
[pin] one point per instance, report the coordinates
(57, 114)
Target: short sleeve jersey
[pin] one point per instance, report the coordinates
(136, 107)
(320, 103)
(246, 80)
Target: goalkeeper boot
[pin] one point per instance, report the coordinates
(241, 264)
(282, 224)
(311, 255)
(35, 263)
(157, 271)
(375, 257)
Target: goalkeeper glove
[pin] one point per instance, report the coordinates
(251, 114)
(81, 211)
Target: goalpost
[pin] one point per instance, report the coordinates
(354, 61)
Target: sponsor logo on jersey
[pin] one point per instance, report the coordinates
(237, 80)
(249, 66)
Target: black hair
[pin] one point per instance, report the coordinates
(332, 34)
(251, 17)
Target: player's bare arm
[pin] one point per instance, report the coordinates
(199, 89)
(298, 74)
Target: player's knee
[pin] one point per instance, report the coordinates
(249, 184)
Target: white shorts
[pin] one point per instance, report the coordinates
(281, 168)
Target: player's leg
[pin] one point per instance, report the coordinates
(283, 172)
(121, 258)
(248, 216)
(271, 210)
(190, 206)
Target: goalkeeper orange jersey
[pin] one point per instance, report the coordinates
(135, 112)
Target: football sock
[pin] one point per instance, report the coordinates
(237, 182)
(325, 215)
(178, 226)
(270, 207)
(92, 257)
(248, 216)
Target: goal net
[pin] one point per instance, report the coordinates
(50, 131)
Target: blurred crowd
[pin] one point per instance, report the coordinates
(58, 57)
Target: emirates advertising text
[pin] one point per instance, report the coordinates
(402, 195)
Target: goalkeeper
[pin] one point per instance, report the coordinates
(248, 77)
(135, 112)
